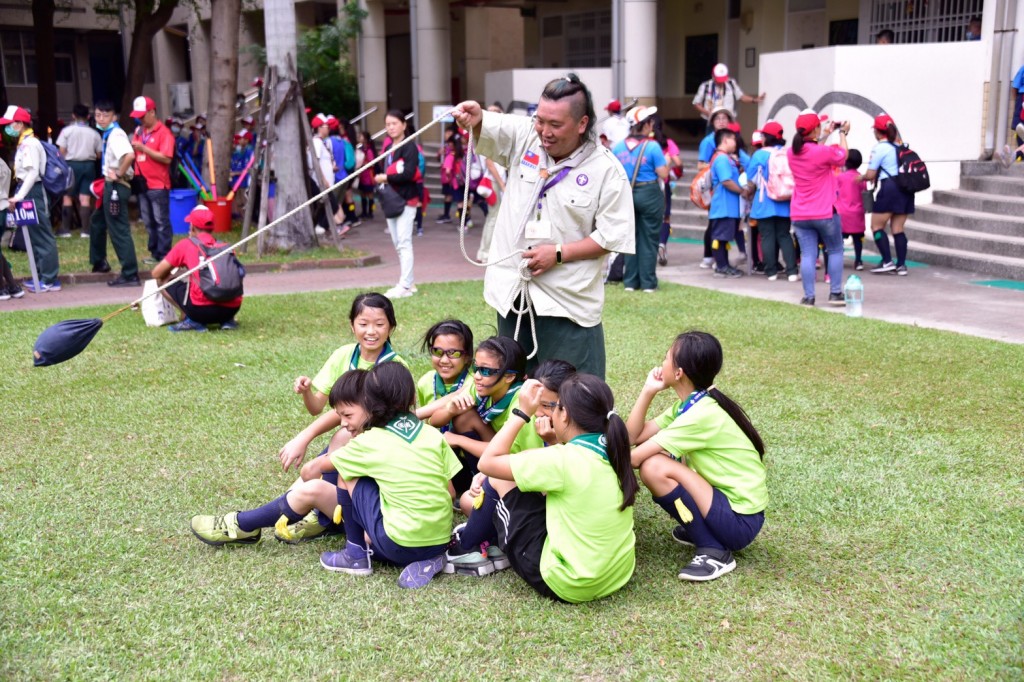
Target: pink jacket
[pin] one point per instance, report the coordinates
(850, 204)
(814, 190)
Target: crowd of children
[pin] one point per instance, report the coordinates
(541, 466)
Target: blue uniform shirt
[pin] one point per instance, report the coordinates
(883, 159)
(724, 204)
(653, 158)
(761, 205)
(239, 160)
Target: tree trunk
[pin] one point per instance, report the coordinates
(149, 19)
(46, 76)
(297, 231)
(224, 28)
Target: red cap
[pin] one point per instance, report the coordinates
(771, 127)
(243, 134)
(169, 121)
(615, 106)
(200, 218)
(808, 121)
(735, 127)
(883, 121)
(332, 122)
(13, 114)
(318, 120)
(756, 139)
(140, 105)
(257, 82)
(248, 120)
(720, 73)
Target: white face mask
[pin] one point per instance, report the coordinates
(175, 129)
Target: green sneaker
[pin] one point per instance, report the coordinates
(222, 530)
(305, 529)
(498, 558)
(467, 563)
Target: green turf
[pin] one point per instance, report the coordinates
(892, 548)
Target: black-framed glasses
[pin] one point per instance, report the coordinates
(550, 405)
(453, 353)
(492, 371)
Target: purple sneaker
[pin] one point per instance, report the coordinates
(353, 560)
(419, 573)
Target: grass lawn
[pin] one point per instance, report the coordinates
(892, 548)
(74, 251)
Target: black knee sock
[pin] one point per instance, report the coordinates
(267, 515)
(84, 216)
(447, 209)
(6, 276)
(741, 241)
(353, 530)
(721, 257)
(858, 247)
(65, 219)
(882, 241)
(707, 241)
(688, 516)
(900, 240)
(480, 527)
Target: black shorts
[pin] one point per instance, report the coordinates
(724, 229)
(521, 521)
(203, 314)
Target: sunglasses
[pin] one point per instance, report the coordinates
(492, 371)
(452, 353)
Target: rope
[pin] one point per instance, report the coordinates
(521, 290)
(312, 200)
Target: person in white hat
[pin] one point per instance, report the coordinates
(647, 169)
(29, 167)
(720, 91)
(153, 144)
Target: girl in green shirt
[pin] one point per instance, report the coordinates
(565, 517)
(701, 458)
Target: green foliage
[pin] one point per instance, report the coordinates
(891, 550)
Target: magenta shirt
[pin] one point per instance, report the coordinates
(814, 182)
(850, 203)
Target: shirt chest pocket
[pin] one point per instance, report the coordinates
(580, 210)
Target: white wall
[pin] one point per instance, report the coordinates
(527, 84)
(938, 110)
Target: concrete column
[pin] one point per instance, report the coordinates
(432, 57)
(372, 62)
(640, 33)
(478, 51)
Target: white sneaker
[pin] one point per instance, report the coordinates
(398, 292)
(772, 278)
(707, 263)
(320, 232)
(793, 278)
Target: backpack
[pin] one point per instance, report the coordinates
(700, 186)
(913, 174)
(780, 177)
(58, 177)
(221, 280)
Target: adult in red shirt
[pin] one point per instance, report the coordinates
(196, 309)
(154, 149)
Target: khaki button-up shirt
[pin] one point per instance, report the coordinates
(593, 200)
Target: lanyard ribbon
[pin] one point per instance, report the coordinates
(548, 185)
(691, 401)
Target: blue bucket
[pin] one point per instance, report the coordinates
(182, 203)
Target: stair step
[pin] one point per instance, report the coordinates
(1002, 185)
(979, 201)
(1003, 267)
(979, 221)
(965, 239)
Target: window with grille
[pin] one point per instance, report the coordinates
(923, 21)
(588, 39)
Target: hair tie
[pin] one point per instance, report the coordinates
(608, 416)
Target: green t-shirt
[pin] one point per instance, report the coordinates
(715, 447)
(425, 388)
(527, 438)
(412, 464)
(341, 362)
(589, 552)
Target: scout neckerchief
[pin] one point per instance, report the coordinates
(406, 426)
(595, 442)
(489, 414)
(441, 390)
(691, 401)
(106, 134)
(386, 353)
(548, 185)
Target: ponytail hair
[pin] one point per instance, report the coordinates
(798, 141)
(589, 404)
(891, 134)
(699, 355)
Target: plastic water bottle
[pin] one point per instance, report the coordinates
(115, 203)
(854, 294)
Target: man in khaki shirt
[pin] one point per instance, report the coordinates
(567, 204)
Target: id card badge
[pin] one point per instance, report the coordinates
(538, 229)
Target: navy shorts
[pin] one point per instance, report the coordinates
(732, 530)
(521, 521)
(724, 229)
(892, 199)
(366, 507)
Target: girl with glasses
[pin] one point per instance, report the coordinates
(449, 344)
(701, 458)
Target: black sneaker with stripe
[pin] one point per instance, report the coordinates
(707, 564)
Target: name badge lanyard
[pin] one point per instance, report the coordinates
(691, 401)
(548, 185)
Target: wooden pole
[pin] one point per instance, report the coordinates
(264, 176)
(270, 87)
